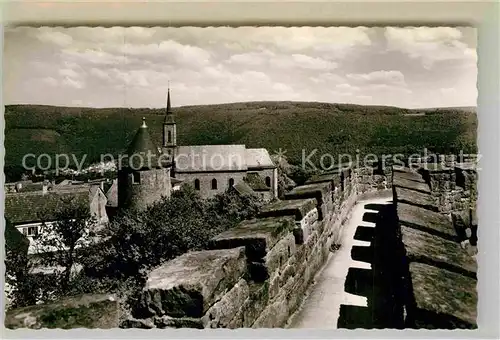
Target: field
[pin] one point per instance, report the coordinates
(291, 126)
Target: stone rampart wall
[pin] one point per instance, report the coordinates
(256, 274)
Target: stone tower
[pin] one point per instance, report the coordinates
(144, 175)
(169, 131)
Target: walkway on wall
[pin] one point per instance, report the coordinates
(340, 296)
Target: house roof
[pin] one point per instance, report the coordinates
(35, 206)
(258, 158)
(243, 188)
(14, 239)
(207, 158)
(256, 182)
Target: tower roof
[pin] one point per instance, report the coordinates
(169, 116)
(142, 145)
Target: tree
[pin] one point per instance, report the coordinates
(139, 241)
(61, 242)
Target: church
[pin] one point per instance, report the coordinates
(209, 169)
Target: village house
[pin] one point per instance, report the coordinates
(29, 211)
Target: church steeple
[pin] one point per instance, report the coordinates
(169, 116)
(169, 129)
(169, 108)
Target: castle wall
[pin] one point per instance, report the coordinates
(256, 274)
(152, 186)
(452, 188)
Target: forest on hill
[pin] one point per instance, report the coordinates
(291, 126)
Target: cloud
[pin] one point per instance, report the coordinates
(70, 73)
(99, 73)
(347, 88)
(186, 55)
(77, 84)
(50, 81)
(48, 35)
(430, 44)
(395, 78)
(393, 66)
(91, 56)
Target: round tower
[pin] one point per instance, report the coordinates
(144, 174)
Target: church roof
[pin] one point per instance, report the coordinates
(36, 206)
(207, 158)
(142, 145)
(258, 158)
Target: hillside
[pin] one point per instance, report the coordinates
(292, 126)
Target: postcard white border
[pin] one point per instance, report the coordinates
(482, 14)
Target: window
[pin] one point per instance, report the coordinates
(231, 182)
(169, 136)
(197, 184)
(30, 231)
(268, 181)
(136, 177)
(214, 184)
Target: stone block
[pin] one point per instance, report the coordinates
(334, 179)
(188, 285)
(298, 208)
(222, 312)
(441, 298)
(426, 220)
(258, 236)
(138, 323)
(170, 322)
(252, 307)
(407, 173)
(402, 182)
(427, 248)
(319, 191)
(274, 260)
(416, 198)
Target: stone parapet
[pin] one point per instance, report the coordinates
(438, 276)
(256, 274)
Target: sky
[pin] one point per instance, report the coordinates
(133, 66)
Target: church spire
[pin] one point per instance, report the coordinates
(169, 117)
(169, 108)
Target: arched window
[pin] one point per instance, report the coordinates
(214, 184)
(197, 184)
(231, 182)
(268, 181)
(169, 136)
